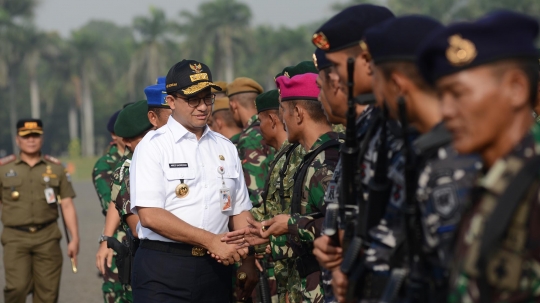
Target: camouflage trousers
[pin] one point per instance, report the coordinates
(307, 290)
(113, 290)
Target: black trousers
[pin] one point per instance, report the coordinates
(166, 277)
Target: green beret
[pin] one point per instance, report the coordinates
(267, 100)
(303, 67)
(132, 120)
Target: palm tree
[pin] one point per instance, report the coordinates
(14, 20)
(148, 62)
(87, 49)
(216, 31)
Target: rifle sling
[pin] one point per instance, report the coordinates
(497, 224)
(283, 172)
(264, 194)
(302, 171)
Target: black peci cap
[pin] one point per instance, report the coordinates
(189, 77)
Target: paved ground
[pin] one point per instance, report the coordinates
(85, 286)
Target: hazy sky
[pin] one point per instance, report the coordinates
(65, 15)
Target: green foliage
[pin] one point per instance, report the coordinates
(120, 61)
(74, 149)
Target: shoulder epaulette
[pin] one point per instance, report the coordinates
(52, 159)
(8, 159)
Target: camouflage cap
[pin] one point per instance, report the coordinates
(267, 100)
(132, 120)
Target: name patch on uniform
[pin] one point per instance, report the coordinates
(177, 165)
(11, 173)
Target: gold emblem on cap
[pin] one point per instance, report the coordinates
(460, 51)
(221, 158)
(197, 68)
(182, 190)
(315, 61)
(30, 125)
(286, 74)
(15, 195)
(320, 41)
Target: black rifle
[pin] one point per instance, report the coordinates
(370, 213)
(125, 253)
(263, 284)
(349, 158)
(415, 282)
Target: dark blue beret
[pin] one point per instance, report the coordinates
(320, 61)
(155, 95)
(347, 28)
(497, 36)
(398, 39)
(112, 120)
(160, 80)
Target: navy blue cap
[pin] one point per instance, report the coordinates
(497, 36)
(155, 95)
(398, 39)
(320, 61)
(347, 28)
(160, 80)
(112, 120)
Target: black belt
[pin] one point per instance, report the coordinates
(32, 228)
(185, 250)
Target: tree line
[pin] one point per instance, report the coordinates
(74, 84)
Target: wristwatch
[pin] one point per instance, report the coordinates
(103, 238)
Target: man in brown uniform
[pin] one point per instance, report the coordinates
(31, 185)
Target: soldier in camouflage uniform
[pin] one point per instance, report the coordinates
(102, 178)
(254, 153)
(274, 198)
(496, 257)
(221, 120)
(317, 167)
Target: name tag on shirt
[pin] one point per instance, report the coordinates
(49, 195)
(177, 165)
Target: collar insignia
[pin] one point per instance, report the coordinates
(460, 51)
(320, 41)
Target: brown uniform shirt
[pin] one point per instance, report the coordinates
(30, 182)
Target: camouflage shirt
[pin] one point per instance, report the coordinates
(256, 157)
(319, 174)
(234, 139)
(279, 245)
(513, 268)
(102, 175)
(120, 189)
(273, 201)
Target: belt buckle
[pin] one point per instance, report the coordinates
(32, 229)
(197, 251)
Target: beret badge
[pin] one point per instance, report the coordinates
(364, 47)
(315, 61)
(199, 75)
(460, 51)
(320, 41)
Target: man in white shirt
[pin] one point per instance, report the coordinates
(188, 189)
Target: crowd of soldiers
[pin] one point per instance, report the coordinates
(399, 165)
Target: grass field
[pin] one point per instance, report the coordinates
(80, 168)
